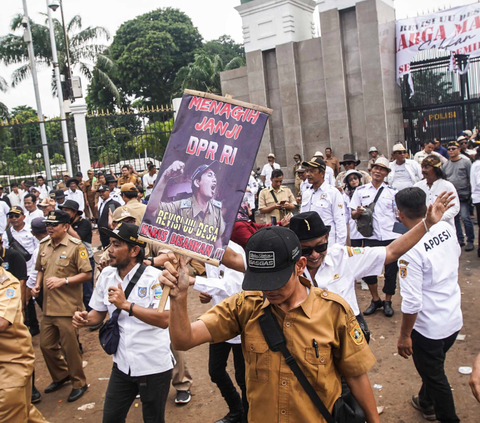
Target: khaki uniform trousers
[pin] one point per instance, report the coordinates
(16, 406)
(181, 378)
(59, 328)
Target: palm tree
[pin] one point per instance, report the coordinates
(82, 48)
(3, 107)
(204, 74)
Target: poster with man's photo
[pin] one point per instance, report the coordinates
(203, 175)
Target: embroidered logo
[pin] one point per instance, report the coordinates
(142, 291)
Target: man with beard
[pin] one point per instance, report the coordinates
(201, 206)
(142, 363)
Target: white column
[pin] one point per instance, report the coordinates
(79, 111)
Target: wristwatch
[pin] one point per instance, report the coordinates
(66, 281)
(150, 259)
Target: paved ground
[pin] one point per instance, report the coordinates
(396, 375)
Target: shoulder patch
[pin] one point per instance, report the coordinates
(360, 188)
(45, 239)
(185, 204)
(355, 332)
(217, 204)
(74, 240)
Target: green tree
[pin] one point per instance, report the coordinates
(82, 47)
(154, 140)
(149, 51)
(204, 74)
(57, 159)
(4, 115)
(431, 87)
(226, 48)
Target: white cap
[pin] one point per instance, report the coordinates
(383, 162)
(271, 155)
(318, 154)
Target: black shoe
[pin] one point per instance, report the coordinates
(35, 395)
(428, 413)
(34, 330)
(232, 417)
(77, 393)
(55, 386)
(462, 244)
(387, 308)
(183, 397)
(469, 246)
(372, 308)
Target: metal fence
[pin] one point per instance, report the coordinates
(131, 137)
(444, 103)
(21, 152)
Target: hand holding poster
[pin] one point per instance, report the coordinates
(203, 175)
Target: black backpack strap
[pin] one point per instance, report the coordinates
(135, 279)
(10, 236)
(274, 196)
(376, 198)
(276, 341)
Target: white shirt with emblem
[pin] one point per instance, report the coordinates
(143, 349)
(342, 266)
(429, 283)
(435, 190)
(26, 240)
(385, 213)
(328, 203)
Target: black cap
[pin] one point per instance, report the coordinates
(72, 181)
(308, 226)
(16, 210)
(102, 188)
(70, 204)
(28, 183)
(126, 232)
(200, 170)
(350, 158)
(56, 195)
(271, 256)
(316, 162)
(57, 216)
(38, 226)
(110, 178)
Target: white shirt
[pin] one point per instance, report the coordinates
(117, 196)
(429, 283)
(474, 181)
(253, 187)
(304, 186)
(143, 349)
(44, 190)
(328, 203)
(422, 155)
(30, 216)
(329, 176)
(149, 180)
(78, 197)
(4, 209)
(15, 199)
(385, 213)
(352, 223)
(267, 172)
(437, 188)
(32, 276)
(343, 265)
(27, 241)
(404, 175)
(221, 288)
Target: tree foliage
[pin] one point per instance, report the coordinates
(155, 138)
(226, 48)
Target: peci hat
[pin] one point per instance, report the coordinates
(56, 195)
(103, 188)
(315, 162)
(200, 170)
(72, 205)
(126, 232)
(308, 226)
(38, 226)
(121, 213)
(398, 147)
(271, 255)
(373, 149)
(382, 162)
(16, 210)
(349, 157)
(352, 172)
(128, 187)
(72, 181)
(57, 216)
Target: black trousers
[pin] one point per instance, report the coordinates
(477, 207)
(391, 269)
(217, 365)
(429, 359)
(31, 314)
(122, 390)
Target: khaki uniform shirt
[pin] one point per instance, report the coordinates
(68, 258)
(126, 179)
(16, 350)
(266, 199)
(273, 391)
(136, 209)
(333, 163)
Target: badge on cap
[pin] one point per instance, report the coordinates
(261, 259)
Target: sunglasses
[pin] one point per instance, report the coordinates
(451, 148)
(319, 248)
(13, 216)
(52, 224)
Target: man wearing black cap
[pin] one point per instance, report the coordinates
(74, 193)
(201, 206)
(58, 196)
(62, 266)
(106, 206)
(319, 325)
(324, 199)
(81, 229)
(350, 162)
(142, 363)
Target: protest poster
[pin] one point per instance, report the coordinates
(203, 175)
(455, 30)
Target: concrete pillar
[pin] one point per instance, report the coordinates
(79, 111)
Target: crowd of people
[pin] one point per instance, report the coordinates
(284, 299)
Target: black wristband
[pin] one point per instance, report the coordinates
(130, 313)
(150, 259)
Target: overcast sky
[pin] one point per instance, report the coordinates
(213, 18)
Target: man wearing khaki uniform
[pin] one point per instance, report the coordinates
(276, 200)
(62, 266)
(16, 356)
